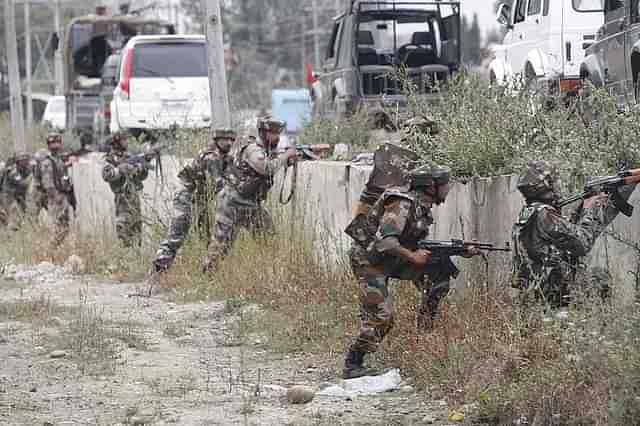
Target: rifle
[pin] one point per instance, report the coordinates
(305, 152)
(609, 185)
(444, 249)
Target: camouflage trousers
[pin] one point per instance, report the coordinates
(376, 303)
(184, 203)
(12, 212)
(233, 213)
(57, 206)
(129, 219)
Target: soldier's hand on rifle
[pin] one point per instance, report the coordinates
(420, 257)
(291, 154)
(470, 251)
(126, 168)
(595, 201)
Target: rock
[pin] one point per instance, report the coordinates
(3, 339)
(74, 265)
(46, 268)
(140, 420)
(429, 419)
(33, 389)
(406, 389)
(325, 385)
(56, 322)
(456, 416)
(57, 354)
(275, 389)
(300, 394)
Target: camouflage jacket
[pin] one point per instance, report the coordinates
(206, 171)
(544, 241)
(398, 218)
(252, 172)
(121, 180)
(16, 182)
(52, 173)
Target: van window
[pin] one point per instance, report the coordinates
(521, 11)
(170, 60)
(332, 49)
(545, 12)
(594, 5)
(535, 7)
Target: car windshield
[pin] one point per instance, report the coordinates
(166, 60)
(588, 5)
(56, 106)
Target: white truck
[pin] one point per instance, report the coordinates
(545, 43)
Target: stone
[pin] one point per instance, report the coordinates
(300, 394)
(406, 389)
(429, 419)
(57, 354)
(74, 265)
(141, 420)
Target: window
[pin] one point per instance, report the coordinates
(170, 60)
(332, 49)
(535, 7)
(545, 12)
(592, 5)
(521, 11)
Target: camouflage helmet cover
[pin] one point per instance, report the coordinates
(420, 123)
(268, 123)
(540, 176)
(21, 156)
(53, 137)
(429, 175)
(223, 133)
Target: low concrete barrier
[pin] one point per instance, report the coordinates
(482, 208)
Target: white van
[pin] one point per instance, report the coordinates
(546, 41)
(163, 83)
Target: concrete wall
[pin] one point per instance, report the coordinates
(327, 194)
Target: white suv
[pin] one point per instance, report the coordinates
(546, 42)
(163, 83)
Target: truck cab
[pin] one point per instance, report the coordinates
(545, 42)
(374, 42)
(613, 61)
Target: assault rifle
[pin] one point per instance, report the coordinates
(151, 152)
(444, 249)
(609, 185)
(305, 152)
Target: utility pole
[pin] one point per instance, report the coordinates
(27, 62)
(17, 117)
(316, 36)
(303, 48)
(57, 56)
(220, 114)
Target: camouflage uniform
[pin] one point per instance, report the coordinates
(201, 180)
(398, 219)
(125, 179)
(52, 185)
(547, 246)
(240, 202)
(15, 182)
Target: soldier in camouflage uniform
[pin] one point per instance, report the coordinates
(547, 246)
(249, 181)
(52, 186)
(201, 180)
(15, 182)
(385, 246)
(125, 177)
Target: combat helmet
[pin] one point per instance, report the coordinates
(539, 178)
(268, 123)
(21, 156)
(429, 175)
(53, 137)
(420, 124)
(223, 133)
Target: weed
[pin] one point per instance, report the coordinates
(39, 309)
(175, 329)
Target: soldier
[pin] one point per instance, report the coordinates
(52, 186)
(249, 181)
(15, 182)
(547, 246)
(201, 180)
(125, 178)
(385, 246)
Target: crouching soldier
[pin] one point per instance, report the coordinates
(386, 246)
(548, 247)
(201, 180)
(125, 176)
(15, 182)
(248, 183)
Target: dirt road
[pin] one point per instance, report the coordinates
(77, 351)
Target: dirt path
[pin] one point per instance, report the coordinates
(78, 351)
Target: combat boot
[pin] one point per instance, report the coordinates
(353, 366)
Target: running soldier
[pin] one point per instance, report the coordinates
(52, 187)
(548, 247)
(385, 246)
(249, 181)
(15, 182)
(201, 180)
(125, 176)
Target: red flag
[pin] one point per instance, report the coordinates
(310, 79)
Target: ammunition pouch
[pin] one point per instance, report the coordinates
(362, 231)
